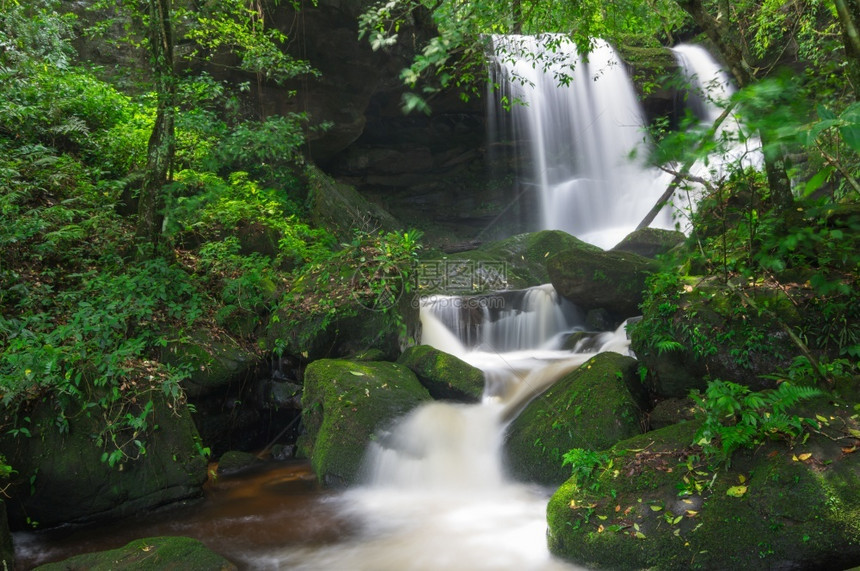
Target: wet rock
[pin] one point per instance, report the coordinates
(445, 376)
(150, 554)
(591, 408)
(650, 242)
(345, 403)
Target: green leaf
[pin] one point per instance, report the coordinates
(736, 491)
(817, 180)
(357, 373)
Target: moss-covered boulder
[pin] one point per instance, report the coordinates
(653, 504)
(445, 376)
(213, 363)
(63, 476)
(591, 408)
(592, 278)
(693, 328)
(650, 242)
(513, 263)
(149, 554)
(345, 404)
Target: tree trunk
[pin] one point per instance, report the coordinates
(162, 144)
(849, 18)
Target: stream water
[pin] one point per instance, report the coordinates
(435, 494)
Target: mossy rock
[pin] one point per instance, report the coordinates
(152, 553)
(342, 210)
(650, 242)
(592, 278)
(445, 376)
(345, 403)
(717, 334)
(214, 363)
(513, 263)
(336, 324)
(591, 408)
(71, 482)
(777, 507)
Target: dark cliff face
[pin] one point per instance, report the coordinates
(435, 172)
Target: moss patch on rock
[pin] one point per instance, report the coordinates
(591, 408)
(345, 404)
(592, 278)
(445, 376)
(656, 505)
(150, 554)
(72, 482)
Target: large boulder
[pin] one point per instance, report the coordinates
(345, 403)
(62, 476)
(590, 408)
(592, 278)
(445, 376)
(149, 554)
(650, 242)
(776, 507)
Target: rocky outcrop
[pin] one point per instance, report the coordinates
(149, 554)
(777, 507)
(62, 476)
(345, 404)
(591, 408)
(445, 376)
(592, 278)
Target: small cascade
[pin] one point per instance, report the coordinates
(585, 138)
(505, 321)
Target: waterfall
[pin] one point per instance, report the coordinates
(710, 89)
(585, 138)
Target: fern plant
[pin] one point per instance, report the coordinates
(736, 417)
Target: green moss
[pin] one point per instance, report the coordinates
(784, 511)
(590, 408)
(444, 375)
(154, 553)
(345, 403)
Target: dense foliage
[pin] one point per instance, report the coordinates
(86, 320)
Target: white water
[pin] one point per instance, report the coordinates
(709, 93)
(586, 139)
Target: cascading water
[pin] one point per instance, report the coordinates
(708, 95)
(585, 137)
